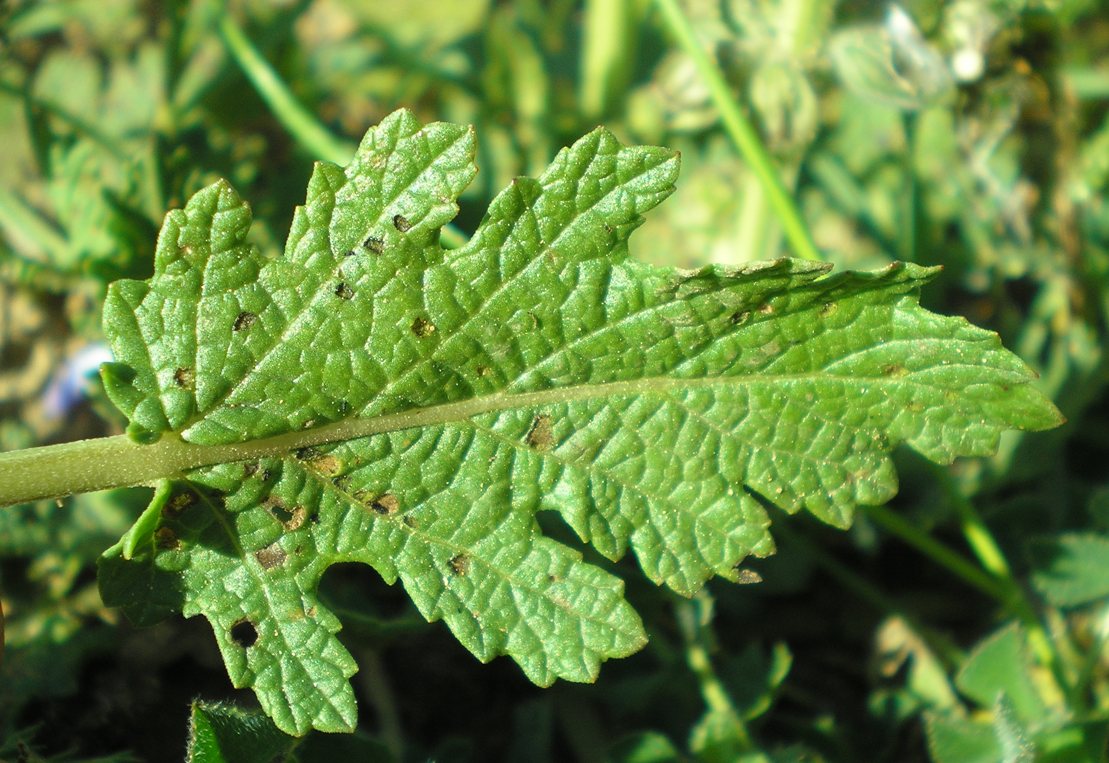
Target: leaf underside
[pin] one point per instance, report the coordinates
(460, 392)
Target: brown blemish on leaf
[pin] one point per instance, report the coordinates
(422, 327)
(410, 522)
(386, 503)
(400, 222)
(895, 371)
(375, 245)
(176, 505)
(310, 612)
(296, 520)
(271, 556)
(184, 378)
(306, 454)
(244, 321)
(250, 469)
(540, 436)
(459, 564)
(747, 577)
(342, 291)
(328, 465)
(244, 634)
(166, 539)
(828, 308)
(739, 317)
(766, 308)
(482, 371)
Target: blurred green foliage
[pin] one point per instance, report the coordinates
(973, 134)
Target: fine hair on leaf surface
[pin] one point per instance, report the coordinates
(371, 397)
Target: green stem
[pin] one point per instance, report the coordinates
(938, 553)
(301, 123)
(691, 622)
(991, 557)
(54, 471)
(743, 134)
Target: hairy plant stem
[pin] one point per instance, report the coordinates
(54, 471)
(743, 134)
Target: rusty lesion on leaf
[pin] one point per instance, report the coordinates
(459, 564)
(244, 320)
(422, 327)
(184, 378)
(166, 539)
(271, 556)
(385, 504)
(541, 436)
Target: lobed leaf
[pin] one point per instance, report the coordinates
(396, 404)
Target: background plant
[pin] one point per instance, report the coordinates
(976, 598)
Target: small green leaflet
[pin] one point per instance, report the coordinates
(393, 403)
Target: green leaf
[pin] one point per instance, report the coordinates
(999, 666)
(223, 733)
(1072, 569)
(956, 740)
(370, 397)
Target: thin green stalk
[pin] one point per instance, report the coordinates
(691, 623)
(301, 123)
(938, 553)
(743, 134)
(991, 557)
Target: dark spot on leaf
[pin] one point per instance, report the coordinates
(540, 436)
(895, 370)
(341, 482)
(244, 321)
(342, 291)
(385, 504)
(410, 522)
(375, 245)
(350, 253)
(266, 475)
(306, 454)
(828, 308)
(314, 519)
(244, 634)
(176, 505)
(482, 371)
(311, 611)
(738, 318)
(326, 464)
(400, 222)
(290, 520)
(166, 539)
(271, 556)
(184, 378)
(459, 564)
(422, 327)
(552, 578)
(344, 407)
(250, 469)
